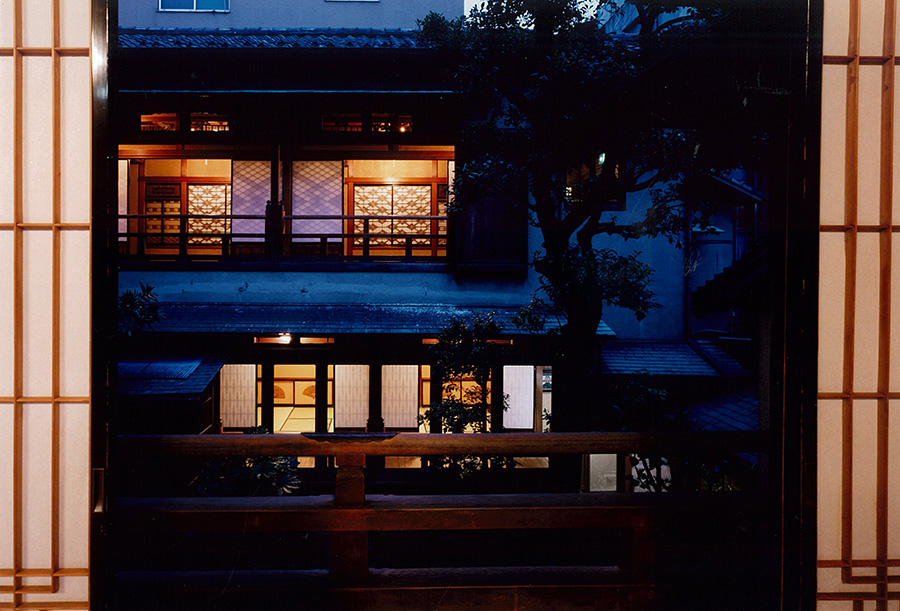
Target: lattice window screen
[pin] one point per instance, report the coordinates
(518, 384)
(237, 398)
(251, 188)
(318, 188)
(45, 213)
(398, 200)
(859, 369)
(400, 395)
(208, 200)
(351, 396)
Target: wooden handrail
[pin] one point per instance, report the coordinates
(422, 444)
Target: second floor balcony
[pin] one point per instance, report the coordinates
(166, 233)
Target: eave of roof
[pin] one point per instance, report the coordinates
(332, 38)
(425, 319)
(182, 376)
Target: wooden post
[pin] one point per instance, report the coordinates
(349, 549)
(267, 401)
(643, 555)
(497, 398)
(375, 421)
(274, 229)
(321, 407)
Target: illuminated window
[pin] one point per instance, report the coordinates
(342, 123)
(377, 122)
(208, 122)
(159, 122)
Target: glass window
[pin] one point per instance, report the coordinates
(194, 5)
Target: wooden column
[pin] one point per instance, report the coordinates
(349, 549)
(267, 400)
(497, 398)
(321, 405)
(375, 422)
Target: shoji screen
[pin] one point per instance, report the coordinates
(251, 188)
(237, 397)
(400, 395)
(858, 477)
(351, 396)
(518, 385)
(45, 214)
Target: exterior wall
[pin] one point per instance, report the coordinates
(278, 14)
(45, 215)
(858, 438)
(668, 282)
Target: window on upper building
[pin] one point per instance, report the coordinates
(195, 5)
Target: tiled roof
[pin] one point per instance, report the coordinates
(667, 358)
(185, 376)
(738, 411)
(654, 358)
(133, 38)
(719, 358)
(326, 319)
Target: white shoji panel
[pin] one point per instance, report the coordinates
(831, 311)
(74, 495)
(828, 484)
(6, 26)
(37, 313)
(7, 103)
(869, 144)
(895, 316)
(37, 30)
(75, 315)
(75, 24)
(37, 485)
(6, 484)
(836, 26)
(871, 26)
(834, 111)
(894, 483)
(37, 127)
(400, 395)
(864, 479)
(518, 383)
(75, 139)
(7, 298)
(351, 396)
(865, 372)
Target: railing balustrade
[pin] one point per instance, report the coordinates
(351, 513)
(283, 237)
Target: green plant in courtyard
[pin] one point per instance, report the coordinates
(138, 310)
(463, 357)
(249, 475)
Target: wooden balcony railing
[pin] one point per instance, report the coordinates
(281, 236)
(350, 513)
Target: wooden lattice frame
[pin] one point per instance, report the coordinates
(24, 580)
(866, 583)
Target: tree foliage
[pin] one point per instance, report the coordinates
(583, 117)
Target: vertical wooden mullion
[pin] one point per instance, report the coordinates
(55, 290)
(884, 321)
(851, 194)
(18, 334)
